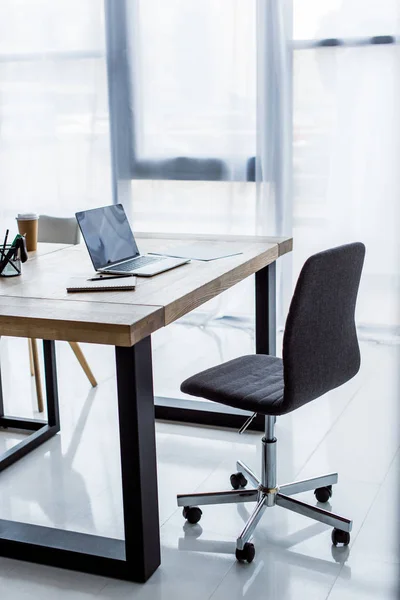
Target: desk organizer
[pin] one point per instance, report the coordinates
(10, 263)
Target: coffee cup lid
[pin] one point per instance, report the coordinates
(27, 216)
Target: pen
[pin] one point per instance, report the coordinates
(106, 277)
(5, 243)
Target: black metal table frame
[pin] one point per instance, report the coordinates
(137, 556)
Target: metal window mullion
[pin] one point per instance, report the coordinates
(347, 42)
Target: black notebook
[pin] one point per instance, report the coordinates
(81, 284)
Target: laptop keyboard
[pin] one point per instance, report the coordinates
(135, 263)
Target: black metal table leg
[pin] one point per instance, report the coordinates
(138, 458)
(137, 556)
(266, 310)
(50, 369)
(40, 430)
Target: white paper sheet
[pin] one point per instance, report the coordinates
(201, 251)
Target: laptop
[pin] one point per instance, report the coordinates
(112, 246)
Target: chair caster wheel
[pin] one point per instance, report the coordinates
(248, 553)
(192, 514)
(238, 480)
(340, 537)
(323, 494)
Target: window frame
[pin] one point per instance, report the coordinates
(126, 164)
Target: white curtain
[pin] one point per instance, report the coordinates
(313, 19)
(193, 86)
(346, 147)
(194, 81)
(54, 129)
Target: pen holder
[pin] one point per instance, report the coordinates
(10, 265)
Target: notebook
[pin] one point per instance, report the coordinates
(81, 284)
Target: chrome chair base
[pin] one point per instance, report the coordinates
(266, 494)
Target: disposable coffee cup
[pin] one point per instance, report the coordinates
(28, 226)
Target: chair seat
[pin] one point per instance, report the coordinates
(253, 383)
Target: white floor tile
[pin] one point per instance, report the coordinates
(278, 576)
(183, 573)
(379, 538)
(368, 580)
(26, 581)
(6, 565)
(363, 442)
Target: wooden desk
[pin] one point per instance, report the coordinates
(37, 305)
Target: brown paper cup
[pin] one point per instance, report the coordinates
(29, 228)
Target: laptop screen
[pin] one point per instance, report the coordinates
(107, 235)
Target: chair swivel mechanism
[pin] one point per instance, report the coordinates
(320, 352)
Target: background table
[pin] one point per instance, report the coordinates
(36, 305)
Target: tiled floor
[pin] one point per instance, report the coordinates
(73, 482)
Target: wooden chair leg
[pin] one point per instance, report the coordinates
(31, 365)
(83, 362)
(36, 369)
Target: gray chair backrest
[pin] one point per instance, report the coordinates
(58, 230)
(320, 346)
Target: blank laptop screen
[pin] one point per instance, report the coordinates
(107, 235)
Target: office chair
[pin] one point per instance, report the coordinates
(320, 352)
(56, 230)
